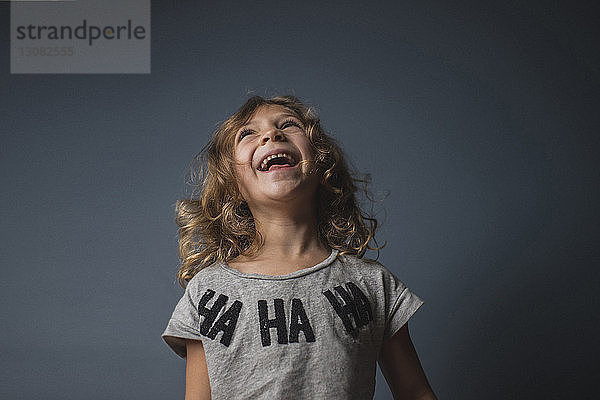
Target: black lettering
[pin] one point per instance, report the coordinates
(362, 303)
(40, 29)
(356, 307)
(210, 314)
(95, 33)
(119, 29)
(81, 30)
(226, 323)
(53, 32)
(21, 32)
(299, 322)
(342, 311)
(30, 29)
(68, 29)
(139, 32)
(278, 322)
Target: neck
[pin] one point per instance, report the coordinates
(288, 232)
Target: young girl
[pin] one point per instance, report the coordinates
(279, 303)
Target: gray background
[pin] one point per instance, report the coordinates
(479, 118)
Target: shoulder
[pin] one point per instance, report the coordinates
(364, 266)
(208, 275)
(372, 273)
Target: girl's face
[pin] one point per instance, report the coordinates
(268, 150)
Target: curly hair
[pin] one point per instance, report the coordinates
(215, 223)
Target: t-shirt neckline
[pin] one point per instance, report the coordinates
(295, 274)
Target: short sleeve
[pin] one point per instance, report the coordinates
(183, 323)
(401, 304)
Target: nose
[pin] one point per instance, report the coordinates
(274, 135)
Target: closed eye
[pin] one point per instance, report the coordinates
(290, 122)
(245, 133)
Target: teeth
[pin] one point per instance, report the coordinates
(263, 165)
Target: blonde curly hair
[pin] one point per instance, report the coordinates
(215, 223)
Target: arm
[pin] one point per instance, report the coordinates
(197, 385)
(402, 369)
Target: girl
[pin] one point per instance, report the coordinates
(279, 303)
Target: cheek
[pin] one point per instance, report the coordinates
(243, 155)
(308, 150)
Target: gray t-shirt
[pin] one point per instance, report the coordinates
(312, 334)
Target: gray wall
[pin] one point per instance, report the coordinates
(480, 120)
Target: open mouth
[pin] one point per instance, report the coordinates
(277, 161)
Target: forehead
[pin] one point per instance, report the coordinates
(269, 112)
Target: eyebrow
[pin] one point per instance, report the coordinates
(278, 116)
